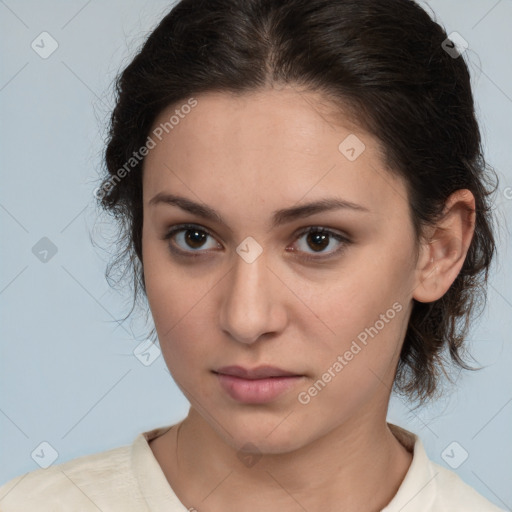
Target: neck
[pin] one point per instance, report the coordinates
(357, 466)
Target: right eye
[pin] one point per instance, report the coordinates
(189, 239)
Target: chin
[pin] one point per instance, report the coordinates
(264, 437)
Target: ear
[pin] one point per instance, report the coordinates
(444, 250)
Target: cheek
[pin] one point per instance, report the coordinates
(168, 292)
(358, 298)
(180, 323)
(177, 303)
(365, 310)
(358, 364)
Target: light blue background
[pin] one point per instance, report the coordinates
(68, 373)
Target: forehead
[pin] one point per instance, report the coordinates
(284, 119)
(270, 146)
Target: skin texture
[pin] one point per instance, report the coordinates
(246, 156)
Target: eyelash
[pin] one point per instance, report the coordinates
(312, 229)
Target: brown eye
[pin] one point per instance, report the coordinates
(190, 238)
(318, 239)
(194, 238)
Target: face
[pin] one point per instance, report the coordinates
(255, 278)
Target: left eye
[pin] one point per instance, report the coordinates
(320, 238)
(191, 238)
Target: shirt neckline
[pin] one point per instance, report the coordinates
(153, 484)
(418, 487)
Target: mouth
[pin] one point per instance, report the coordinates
(258, 385)
(261, 372)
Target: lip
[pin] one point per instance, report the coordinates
(260, 372)
(255, 386)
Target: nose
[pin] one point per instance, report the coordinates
(253, 303)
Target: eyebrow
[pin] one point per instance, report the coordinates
(279, 217)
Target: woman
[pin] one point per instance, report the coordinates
(300, 188)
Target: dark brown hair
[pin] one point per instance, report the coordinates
(384, 63)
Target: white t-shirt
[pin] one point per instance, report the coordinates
(129, 479)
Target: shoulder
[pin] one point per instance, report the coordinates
(429, 487)
(90, 482)
(454, 494)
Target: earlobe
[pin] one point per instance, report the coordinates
(443, 253)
